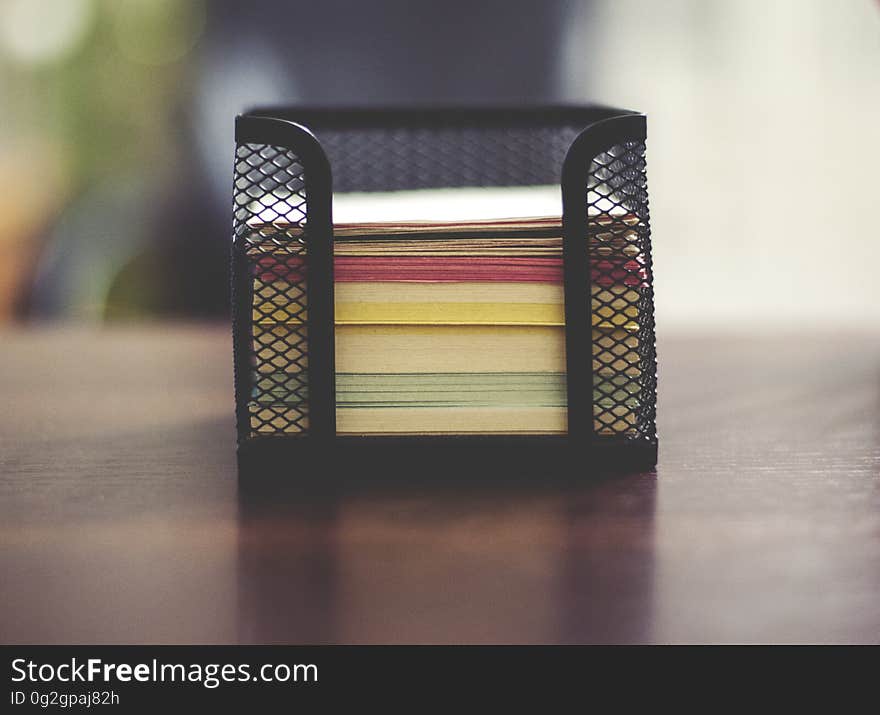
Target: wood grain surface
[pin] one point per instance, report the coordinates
(121, 520)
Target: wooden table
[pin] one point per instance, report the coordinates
(121, 519)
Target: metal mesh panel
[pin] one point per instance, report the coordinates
(624, 357)
(271, 254)
(379, 159)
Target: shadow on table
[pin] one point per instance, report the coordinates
(524, 557)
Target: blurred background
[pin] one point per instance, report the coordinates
(764, 136)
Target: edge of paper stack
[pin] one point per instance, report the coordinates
(453, 325)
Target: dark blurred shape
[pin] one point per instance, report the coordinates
(147, 232)
(340, 52)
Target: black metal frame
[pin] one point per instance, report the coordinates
(298, 130)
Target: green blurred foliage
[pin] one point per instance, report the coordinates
(107, 102)
(93, 92)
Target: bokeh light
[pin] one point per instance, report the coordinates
(156, 32)
(43, 31)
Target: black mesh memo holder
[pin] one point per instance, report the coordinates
(289, 162)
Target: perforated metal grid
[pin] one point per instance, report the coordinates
(400, 158)
(624, 356)
(271, 252)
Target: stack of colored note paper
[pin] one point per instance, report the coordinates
(451, 324)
